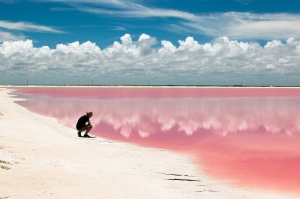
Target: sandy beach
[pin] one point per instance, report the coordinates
(41, 158)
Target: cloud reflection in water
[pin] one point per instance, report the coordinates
(251, 141)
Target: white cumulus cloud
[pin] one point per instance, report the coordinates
(221, 61)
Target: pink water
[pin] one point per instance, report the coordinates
(249, 136)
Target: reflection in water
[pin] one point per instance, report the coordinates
(251, 141)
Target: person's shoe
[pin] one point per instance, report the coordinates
(79, 134)
(86, 136)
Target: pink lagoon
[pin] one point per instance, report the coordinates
(246, 136)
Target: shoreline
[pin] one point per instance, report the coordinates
(46, 159)
(141, 86)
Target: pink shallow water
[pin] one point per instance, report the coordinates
(163, 92)
(249, 136)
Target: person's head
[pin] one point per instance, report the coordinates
(89, 114)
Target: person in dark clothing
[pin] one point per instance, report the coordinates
(82, 126)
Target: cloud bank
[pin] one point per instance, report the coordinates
(220, 61)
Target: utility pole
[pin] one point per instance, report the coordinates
(92, 82)
(27, 82)
(148, 83)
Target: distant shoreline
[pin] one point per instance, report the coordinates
(152, 86)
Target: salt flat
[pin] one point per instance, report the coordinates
(41, 158)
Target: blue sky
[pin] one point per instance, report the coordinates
(161, 41)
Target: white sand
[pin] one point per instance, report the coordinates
(44, 159)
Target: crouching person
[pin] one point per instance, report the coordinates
(82, 126)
